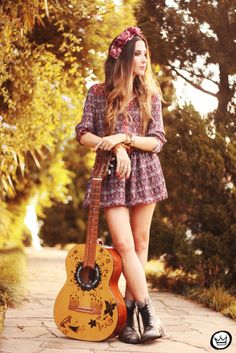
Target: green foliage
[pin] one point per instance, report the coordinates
(49, 52)
(198, 229)
(195, 39)
(67, 222)
(215, 297)
(31, 110)
(195, 227)
(11, 223)
(12, 280)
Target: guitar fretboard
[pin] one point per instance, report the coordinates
(92, 227)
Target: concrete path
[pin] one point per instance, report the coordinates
(31, 329)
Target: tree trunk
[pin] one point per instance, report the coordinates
(224, 96)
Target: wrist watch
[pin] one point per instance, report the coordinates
(132, 141)
(128, 140)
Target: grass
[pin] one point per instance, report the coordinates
(215, 297)
(12, 280)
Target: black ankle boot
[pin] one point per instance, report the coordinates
(152, 326)
(129, 334)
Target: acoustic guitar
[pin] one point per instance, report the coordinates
(90, 305)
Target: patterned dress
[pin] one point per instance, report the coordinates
(146, 183)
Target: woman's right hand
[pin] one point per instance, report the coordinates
(123, 167)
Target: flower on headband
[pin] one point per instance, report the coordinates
(122, 39)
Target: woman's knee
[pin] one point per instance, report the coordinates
(120, 229)
(141, 217)
(124, 246)
(141, 241)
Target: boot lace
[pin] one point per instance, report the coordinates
(146, 316)
(130, 316)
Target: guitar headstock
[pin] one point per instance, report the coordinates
(102, 163)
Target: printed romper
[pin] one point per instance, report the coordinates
(146, 183)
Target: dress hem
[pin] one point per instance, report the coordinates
(161, 198)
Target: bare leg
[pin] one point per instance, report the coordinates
(140, 220)
(118, 221)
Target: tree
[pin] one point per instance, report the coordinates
(196, 40)
(195, 226)
(67, 222)
(47, 57)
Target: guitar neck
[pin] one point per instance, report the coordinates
(93, 221)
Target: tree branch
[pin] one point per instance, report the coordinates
(192, 83)
(197, 75)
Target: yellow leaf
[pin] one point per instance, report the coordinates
(35, 159)
(46, 7)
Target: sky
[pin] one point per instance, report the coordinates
(203, 102)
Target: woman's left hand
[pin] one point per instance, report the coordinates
(108, 142)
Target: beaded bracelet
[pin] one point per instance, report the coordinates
(93, 149)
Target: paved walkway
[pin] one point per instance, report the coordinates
(31, 329)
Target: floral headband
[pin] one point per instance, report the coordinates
(122, 39)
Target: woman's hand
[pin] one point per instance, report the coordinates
(108, 142)
(123, 167)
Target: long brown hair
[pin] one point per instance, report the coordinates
(120, 85)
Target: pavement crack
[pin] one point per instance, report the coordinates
(42, 334)
(189, 344)
(48, 329)
(194, 329)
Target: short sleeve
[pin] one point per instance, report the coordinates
(87, 120)
(155, 126)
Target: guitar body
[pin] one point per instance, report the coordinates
(91, 310)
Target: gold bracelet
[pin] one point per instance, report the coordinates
(132, 141)
(128, 138)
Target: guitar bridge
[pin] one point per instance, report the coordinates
(94, 308)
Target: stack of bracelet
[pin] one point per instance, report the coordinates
(128, 144)
(130, 141)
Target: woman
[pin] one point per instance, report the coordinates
(123, 114)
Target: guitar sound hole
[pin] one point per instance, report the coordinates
(86, 277)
